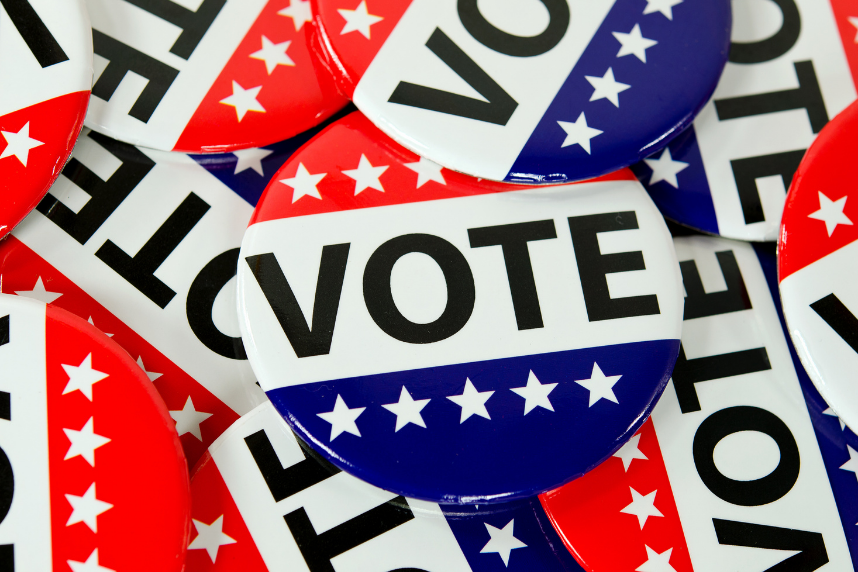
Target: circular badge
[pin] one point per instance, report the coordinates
(438, 336)
(545, 91)
(793, 65)
(741, 463)
(258, 475)
(91, 468)
(818, 264)
(45, 79)
(144, 244)
(207, 76)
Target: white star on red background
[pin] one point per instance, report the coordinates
(39, 293)
(91, 564)
(19, 144)
(300, 12)
(273, 55)
(188, 419)
(87, 508)
(243, 100)
(366, 176)
(426, 171)
(630, 451)
(84, 443)
(656, 562)
(82, 377)
(152, 375)
(642, 506)
(831, 212)
(358, 20)
(210, 537)
(303, 184)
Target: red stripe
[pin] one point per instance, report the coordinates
(141, 471)
(20, 267)
(339, 147)
(586, 513)
(843, 10)
(212, 500)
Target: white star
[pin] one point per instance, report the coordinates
(852, 464)
(665, 169)
(663, 6)
(630, 451)
(599, 385)
(366, 176)
(103, 332)
(471, 401)
(188, 419)
(91, 564)
(82, 377)
(656, 562)
(342, 419)
(39, 293)
(84, 443)
(578, 133)
(150, 374)
(854, 21)
(407, 410)
(642, 506)
(273, 55)
(502, 541)
(634, 43)
(300, 12)
(831, 412)
(606, 87)
(831, 212)
(535, 394)
(243, 100)
(304, 184)
(427, 171)
(358, 20)
(86, 509)
(250, 159)
(19, 144)
(210, 537)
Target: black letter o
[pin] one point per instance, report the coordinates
(757, 492)
(379, 298)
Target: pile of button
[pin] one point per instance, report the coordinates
(428, 285)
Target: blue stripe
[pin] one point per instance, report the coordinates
(678, 78)
(510, 454)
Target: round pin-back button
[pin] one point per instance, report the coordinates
(211, 76)
(530, 92)
(818, 264)
(740, 458)
(792, 66)
(437, 335)
(45, 80)
(91, 468)
(144, 245)
(258, 475)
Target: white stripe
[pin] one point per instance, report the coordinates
(25, 438)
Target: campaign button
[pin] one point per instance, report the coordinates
(818, 264)
(742, 465)
(207, 76)
(144, 244)
(793, 65)
(91, 469)
(45, 79)
(529, 92)
(436, 335)
(262, 500)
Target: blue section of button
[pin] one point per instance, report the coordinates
(508, 455)
(833, 441)
(526, 522)
(690, 202)
(665, 93)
